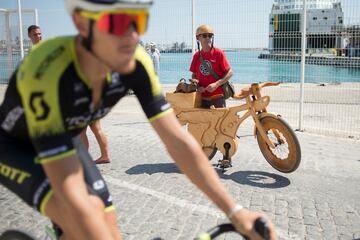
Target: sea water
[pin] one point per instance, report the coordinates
(246, 65)
(248, 68)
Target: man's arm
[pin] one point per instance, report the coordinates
(213, 86)
(75, 209)
(226, 78)
(191, 160)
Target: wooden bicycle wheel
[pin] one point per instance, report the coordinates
(209, 152)
(286, 155)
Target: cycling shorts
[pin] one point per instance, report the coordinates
(27, 179)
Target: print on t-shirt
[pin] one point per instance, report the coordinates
(204, 71)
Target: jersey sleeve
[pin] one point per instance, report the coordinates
(38, 85)
(146, 86)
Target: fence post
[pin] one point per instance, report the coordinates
(8, 43)
(20, 30)
(36, 17)
(302, 68)
(193, 26)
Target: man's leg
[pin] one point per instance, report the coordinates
(84, 138)
(102, 141)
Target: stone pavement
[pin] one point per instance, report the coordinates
(155, 201)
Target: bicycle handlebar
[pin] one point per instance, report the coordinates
(261, 227)
(246, 91)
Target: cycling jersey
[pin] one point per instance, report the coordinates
(49, 101)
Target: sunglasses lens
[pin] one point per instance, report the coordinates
(207, 35)
(119, 23)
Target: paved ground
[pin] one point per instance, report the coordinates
(154, 200)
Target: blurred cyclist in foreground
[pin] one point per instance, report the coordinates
(67, 83)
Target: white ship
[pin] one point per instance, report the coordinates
(323, 26)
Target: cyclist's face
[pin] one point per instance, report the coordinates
(116, 51)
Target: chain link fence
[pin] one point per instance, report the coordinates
(262, 41)
(10, 39)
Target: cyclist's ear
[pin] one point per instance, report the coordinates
(81, 23)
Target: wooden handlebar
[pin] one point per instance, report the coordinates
(246, 91)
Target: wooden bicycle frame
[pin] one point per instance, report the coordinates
(214, 127)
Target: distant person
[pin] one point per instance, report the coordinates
(152, 44)
(101, 140)
(155, 56)
(147, 48)
(216, 72)
(34, 33)
(348, 47)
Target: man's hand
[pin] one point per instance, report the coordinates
(244, 222)
(212, 87)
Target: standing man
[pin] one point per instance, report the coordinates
(216, 64)
(34, 33)
(155, 56)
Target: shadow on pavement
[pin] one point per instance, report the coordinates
(153, 168)
(257, 179)
(252, 178)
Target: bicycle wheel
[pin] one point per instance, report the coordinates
(286, 155)
(210, 152)
(15, 235)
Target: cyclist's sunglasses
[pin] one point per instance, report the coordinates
(206, 35)
(117, 22)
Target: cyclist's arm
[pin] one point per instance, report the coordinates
(191, 160)
(73, 200)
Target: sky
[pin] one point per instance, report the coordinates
(237, 23)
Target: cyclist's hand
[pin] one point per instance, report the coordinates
(244, 222)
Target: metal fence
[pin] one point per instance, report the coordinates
(10, 39)
(262, 40)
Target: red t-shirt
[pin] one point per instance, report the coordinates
(216, 60)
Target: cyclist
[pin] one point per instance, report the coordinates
(65, 84)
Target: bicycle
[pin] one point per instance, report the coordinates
(13, 234)
(261, 228)
(215, 129)
(51, 233)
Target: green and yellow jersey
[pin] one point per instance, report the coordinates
(48, 100)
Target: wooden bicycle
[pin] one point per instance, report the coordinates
(215, 129)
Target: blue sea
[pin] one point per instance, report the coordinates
(246, 66)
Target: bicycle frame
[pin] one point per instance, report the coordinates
(217, 127)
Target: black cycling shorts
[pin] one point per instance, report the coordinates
(20, 174)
